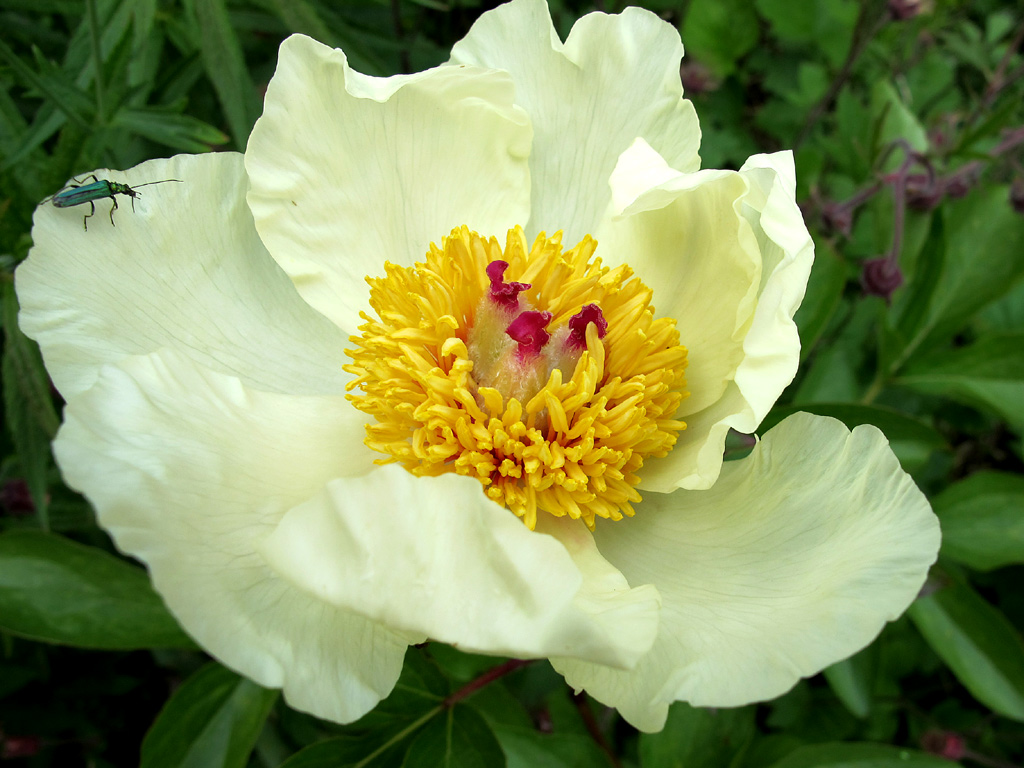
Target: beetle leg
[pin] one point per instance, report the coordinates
(92, 210)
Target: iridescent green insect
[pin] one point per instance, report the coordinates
(97, 189)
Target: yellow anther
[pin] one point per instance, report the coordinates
(570, 436)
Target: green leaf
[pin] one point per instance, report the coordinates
(977, 643)
(824, 296)
(31, 418)
(529, 748)
(66, 97)
(225, 66)
(699, 738)
(897, 123)
(982, 261)
(859, 755)
(56, 590)
(850, 681)
(459, 738)
(989, 373)
(824, 25)
(211, 721)
(720, 32)
(169, 128)
(983, 520)
(372, 749)
(896, 425)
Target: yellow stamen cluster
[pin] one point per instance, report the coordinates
(575, 446)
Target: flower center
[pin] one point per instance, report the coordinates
(551, 389)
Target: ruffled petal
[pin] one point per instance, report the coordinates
(433, 555)
(727, 255)
(686, 239)
(615, 78)
(185, 270)
(350, 171)
(188, 470)
(794, 560)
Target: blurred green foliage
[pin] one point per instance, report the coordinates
(907, 119)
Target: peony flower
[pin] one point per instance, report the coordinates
(453, 355)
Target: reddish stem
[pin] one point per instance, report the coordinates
(488, 677)
(594, 728)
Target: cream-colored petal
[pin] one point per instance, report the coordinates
(727, 255)
(687, 240)
(794, 560)
(350, 171)
(615, 78)
(185, 270)
(433, 555)
(188, 470)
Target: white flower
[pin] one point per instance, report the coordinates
(200, 345)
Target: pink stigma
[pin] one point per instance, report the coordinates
(504, 294)
(578, 323)
(528, 330)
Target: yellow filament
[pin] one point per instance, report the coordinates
(575, 446)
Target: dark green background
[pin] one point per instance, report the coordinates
(899, 124)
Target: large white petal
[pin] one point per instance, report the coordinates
(188, 470)
(185, 270)
(615, 78)
(727, 255)
(795, 559)
(433, 555)
(350, 171)
(686, 239)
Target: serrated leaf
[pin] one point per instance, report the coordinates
(211, 721)
(983, 520)
(58, 591)
(859, 755)
(978, 643)
(720, 32)
(827, 25)
(458, 738)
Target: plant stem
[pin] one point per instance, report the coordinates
(494, 673)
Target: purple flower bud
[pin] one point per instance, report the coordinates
(881, 277)
(951, 746)
(902, 10)
(1017, 195)
(837, 218)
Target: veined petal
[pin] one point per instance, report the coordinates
(185, 270)
(350, 171)
(747, 256)
(794, 560)
(615, 78)
(188, 470)
(687, 239)
(433, 555)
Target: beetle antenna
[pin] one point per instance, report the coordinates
(164, 181)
